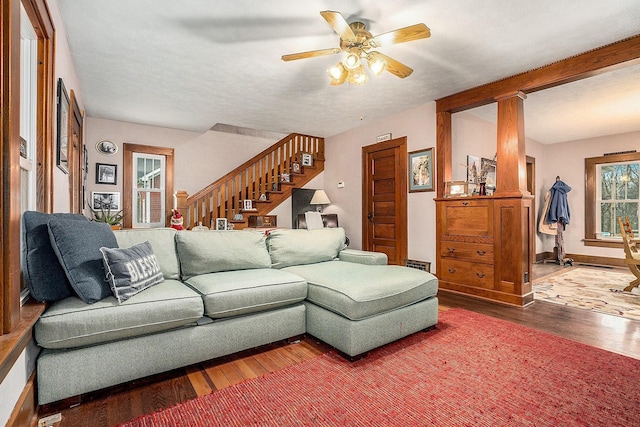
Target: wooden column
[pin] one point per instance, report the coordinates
(443, 150)
(511, 171)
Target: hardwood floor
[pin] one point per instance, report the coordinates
(119, 404)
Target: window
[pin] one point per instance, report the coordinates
(149, 191)
(28, 118)
(612, 191)
(148, 185)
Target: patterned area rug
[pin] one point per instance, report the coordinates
(591, 288)
(472, 370)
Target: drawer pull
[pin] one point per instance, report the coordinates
(480, 275)
(465, 203)
(481, 253)
(451, 270)
(451, 250)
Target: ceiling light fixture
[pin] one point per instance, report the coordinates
(359, 46)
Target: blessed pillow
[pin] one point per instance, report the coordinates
(44, 276)
(77, 245)
(131, 270)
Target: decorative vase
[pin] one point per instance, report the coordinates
(483, 188)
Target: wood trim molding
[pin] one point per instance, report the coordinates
(13, 343)
(590, 194)
(127, 180)
(622, 53)
(25, 413)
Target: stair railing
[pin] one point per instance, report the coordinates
(259, 175)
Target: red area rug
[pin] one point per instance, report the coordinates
(472, 370)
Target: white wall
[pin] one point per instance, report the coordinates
(567, 161)
(64, 69)
(344, 163)
(199, 159)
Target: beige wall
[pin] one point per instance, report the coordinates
(199, 159)
(344, 163)
(64, 69)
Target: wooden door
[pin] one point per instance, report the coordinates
(384, 199)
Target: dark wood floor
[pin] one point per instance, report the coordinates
(120, 404)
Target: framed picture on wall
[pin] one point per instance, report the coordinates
(62, 158)
(421, 170)
(221, 224)
(106, 174)
(105, 200)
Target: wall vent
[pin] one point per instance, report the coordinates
(420, 265)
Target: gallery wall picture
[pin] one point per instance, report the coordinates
(62, 160)
(106, 173)
(421, 170)
(105, 200)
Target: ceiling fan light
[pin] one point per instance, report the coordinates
(337, 73)
(351, 61)
(357, 76)
(376, 65)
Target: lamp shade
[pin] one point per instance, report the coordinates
(319, 198)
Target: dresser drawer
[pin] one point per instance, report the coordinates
(477, 252)
(468, 218)
(466, 273)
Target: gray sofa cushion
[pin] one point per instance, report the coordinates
(164, 246)
(77, 245)
(231, 293)
(131, 270)
(43, 274)
(295, 247)
(72, 323)
(357, 291)
(213, 251)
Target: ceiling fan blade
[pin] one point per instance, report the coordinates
(394, 67)
(310, 54)
(339, 24)
(402, 35)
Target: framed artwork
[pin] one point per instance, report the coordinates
(488, 168)
(421, 170)
(295, 167)
(221, 224)
(307, 159)
(107, 148)
(456, 188)
(285, 177)
(473, 169)
(248, 205)
(62, 151)
(106, 174)
(105, 200)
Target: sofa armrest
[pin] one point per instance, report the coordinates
(363, 257)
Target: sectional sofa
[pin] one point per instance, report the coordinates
(175, 298)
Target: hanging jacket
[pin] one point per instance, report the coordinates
(559, 207)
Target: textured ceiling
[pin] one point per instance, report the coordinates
(190, 64)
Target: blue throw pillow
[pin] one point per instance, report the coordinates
(77, 245)
(43, 274)
(131, 270)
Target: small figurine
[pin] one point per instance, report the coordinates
(176, 220)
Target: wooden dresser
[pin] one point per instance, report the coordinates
(479, 247)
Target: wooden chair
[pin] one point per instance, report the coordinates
(631, 252)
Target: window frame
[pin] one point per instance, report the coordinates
(128, 184)
(591, 188)
(40, 18)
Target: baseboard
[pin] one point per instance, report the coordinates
(25, 411)
(583, 259)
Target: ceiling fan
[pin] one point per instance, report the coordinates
(359, 45)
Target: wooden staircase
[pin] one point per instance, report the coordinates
(259, 176)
